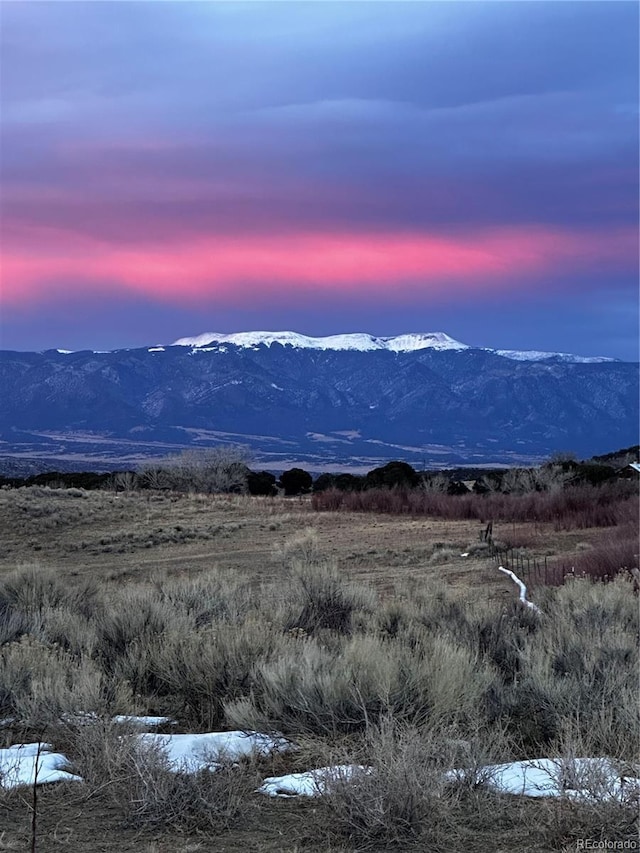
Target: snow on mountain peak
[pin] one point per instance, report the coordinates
(354, 341)
(362, 342)
(534, 355)
(433, 340)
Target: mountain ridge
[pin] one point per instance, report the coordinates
(356, 341)
(321, 407)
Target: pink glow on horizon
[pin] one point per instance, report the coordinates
(223, 267)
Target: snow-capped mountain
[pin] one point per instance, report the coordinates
(334, 401)
(359, 341)
(363, 342)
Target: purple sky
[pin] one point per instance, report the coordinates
(170, 168)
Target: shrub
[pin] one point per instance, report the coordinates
(324, 482)
(32, 589)
(13, 622)
(216, 596)
(609, 557)
(583, 659)
(201, 671)
(575, 507)
(295, 481)
(401, 801)
(349, 482)
(593, 474)
(327, 601)
(312, 689)
(136, 778)
(40, 684)
(406, 802)
(321, 599)
(134, 617)
(69, 480)
(392, 474)
(343, 482)
(261, 483)
(344, 687)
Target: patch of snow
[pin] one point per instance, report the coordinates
(192, 752)
(143, 722)
(29, 763)
(65, 351)
(155, 349)
(578, 778)
(314, 783)
(86, 718)
(80, 718)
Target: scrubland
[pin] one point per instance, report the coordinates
(363, 637)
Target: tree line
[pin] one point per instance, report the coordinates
(225, 470)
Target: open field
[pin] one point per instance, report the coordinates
(144, 536)
(361, 637)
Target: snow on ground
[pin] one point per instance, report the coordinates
(143, 722)
(88, 718)
(579, 778)
(585, 779)
(22, 765)
(190, 753)
(314, 783)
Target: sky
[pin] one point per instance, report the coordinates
(172, 168)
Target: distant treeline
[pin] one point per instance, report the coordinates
(223, 470)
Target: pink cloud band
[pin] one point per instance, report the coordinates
(227, 268)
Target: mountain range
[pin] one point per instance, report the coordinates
(339, 402)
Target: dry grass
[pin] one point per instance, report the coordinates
(132, 537)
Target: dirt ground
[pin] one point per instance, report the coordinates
(68, 824)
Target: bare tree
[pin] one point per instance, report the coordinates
(548, 478)
(437, 483)
(155, 475)
(123, 481)
(208, 470)
(553, 477)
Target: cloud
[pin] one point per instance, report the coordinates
(236, 269)
(249, 152)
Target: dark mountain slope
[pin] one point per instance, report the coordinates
(473, 399)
